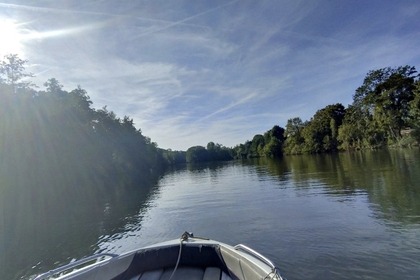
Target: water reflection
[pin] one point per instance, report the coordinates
(320, 216)
(41, 228)
(390, 178)
(315, 216)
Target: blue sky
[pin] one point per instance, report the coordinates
(191, 72)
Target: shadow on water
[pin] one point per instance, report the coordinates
(47, 226)
(390, 178)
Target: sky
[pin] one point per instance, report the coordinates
(191, 72)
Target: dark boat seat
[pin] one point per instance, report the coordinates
(183, 272)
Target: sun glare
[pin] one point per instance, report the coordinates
(11, 38)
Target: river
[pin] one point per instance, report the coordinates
(345, 216)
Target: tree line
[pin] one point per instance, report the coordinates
(385, 112)
(53, 141)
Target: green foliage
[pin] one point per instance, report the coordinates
(273, 148)
(294, 140)
(268, 145)
(414, 106)
(197, 154)
(385, 97)
(316, 136)
(416, 134)
(241, 151)
(173, 157)
(213, 152)
(386, 103)
(352, 132)
(274, 140)
(217, 152)
(52, 140)
(257, 146)
(321, 133)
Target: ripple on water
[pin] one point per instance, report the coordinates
(308, 224)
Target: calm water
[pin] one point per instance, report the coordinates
(347, 216)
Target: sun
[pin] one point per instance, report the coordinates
(11, 37)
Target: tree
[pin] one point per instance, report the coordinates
(274, 140)
(197, 154)
(53, 86)
(277, 132)
(293, 134)
(415, 112)
(353, 129)
(321, 133)
(81, 102)
(241, 151)
(294, 127)
(12, 72)
(386, 95)
(257, 145)
(274, 148)
(414, 106)
(218, 152)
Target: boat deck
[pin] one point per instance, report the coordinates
(191, 258)
(184, 272)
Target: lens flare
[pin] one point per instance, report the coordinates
(11, 37)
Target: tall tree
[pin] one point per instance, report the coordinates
(293, 133)
(321, 133)
(257, 145)
(274, 139)
(12, 72)
(385, 95)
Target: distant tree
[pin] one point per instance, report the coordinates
(218, 152)
(211, 147)
(274, 140)
(197, 154)
(53, 86)
(173, 157)
(257, 146)
(241, 151)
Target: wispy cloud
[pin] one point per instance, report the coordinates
(184, 20)
(241, 101)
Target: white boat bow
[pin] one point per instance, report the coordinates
(189, 257)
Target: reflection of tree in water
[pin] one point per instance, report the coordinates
(50, 225)
(389, 178)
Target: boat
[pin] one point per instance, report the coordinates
(188, 257)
